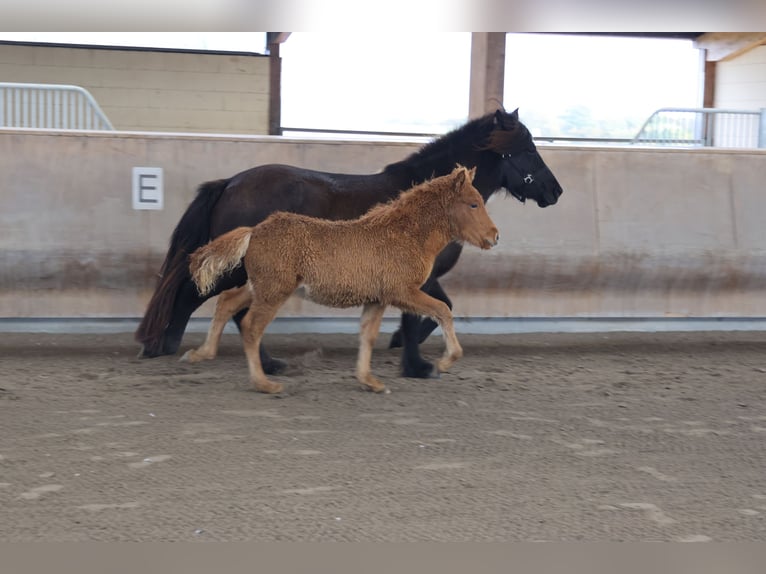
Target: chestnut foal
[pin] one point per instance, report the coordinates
(379, 259)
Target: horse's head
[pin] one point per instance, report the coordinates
(468, 216)
(520, 169)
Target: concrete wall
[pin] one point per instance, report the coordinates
(637, 233)
(154, 90)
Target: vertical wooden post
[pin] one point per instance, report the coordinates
(273, 40)
(487, 72)
(708, 94)
(708, 98)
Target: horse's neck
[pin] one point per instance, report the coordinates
(424, 165)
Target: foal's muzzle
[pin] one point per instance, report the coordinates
(490, 242)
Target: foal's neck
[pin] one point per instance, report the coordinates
(427, 223)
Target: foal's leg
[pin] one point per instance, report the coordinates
(271, 365)
(445, 261)
(229, 302)
(424, 304)
(372, 315)
(414, 331)
(425, 325)
(254, 324)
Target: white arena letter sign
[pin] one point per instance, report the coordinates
(147, 188)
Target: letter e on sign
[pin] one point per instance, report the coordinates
(147, 188)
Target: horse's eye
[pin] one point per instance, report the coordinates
(474, 205)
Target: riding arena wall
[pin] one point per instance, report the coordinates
(638, 232)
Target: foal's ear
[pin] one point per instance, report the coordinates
(460, 175)
(472, 173)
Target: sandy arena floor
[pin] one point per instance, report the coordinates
(620, 436)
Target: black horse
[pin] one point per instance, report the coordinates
(497, 144)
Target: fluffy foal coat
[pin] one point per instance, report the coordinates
(380, 259)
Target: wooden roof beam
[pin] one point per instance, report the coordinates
(720, 46)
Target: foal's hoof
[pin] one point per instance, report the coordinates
(274, 366)
(420, 370)
(268, 387)
(375, 386)
(191, 356)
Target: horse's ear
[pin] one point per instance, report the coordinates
(505, 120)
(472, 173)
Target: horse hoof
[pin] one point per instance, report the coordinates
(396, 340)
(424, 370)
(274, 366)
(145, 353)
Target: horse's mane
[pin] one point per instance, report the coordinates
(506, 140)
(477, 130)
(483, 133)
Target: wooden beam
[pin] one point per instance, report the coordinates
(277, 37)
(727, 45)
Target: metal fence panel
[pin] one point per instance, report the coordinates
(697, 127)
(50, 106)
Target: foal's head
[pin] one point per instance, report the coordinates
(469, 220)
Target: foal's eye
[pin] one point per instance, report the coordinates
(474, 205)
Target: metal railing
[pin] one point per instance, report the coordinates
(704, 127)
(50, 106)
(680, 127)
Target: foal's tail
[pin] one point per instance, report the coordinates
(220, 256)
(192, 231)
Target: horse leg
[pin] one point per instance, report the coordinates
(372, 315)
(228, 303)
(271, 365)
(413, 364)
(424, 304)
(187, 301)
(253, 325)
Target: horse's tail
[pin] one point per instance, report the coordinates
(220, 256)
(192, 231)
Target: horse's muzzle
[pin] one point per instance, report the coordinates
(550, 197)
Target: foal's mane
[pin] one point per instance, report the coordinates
(423, 199)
